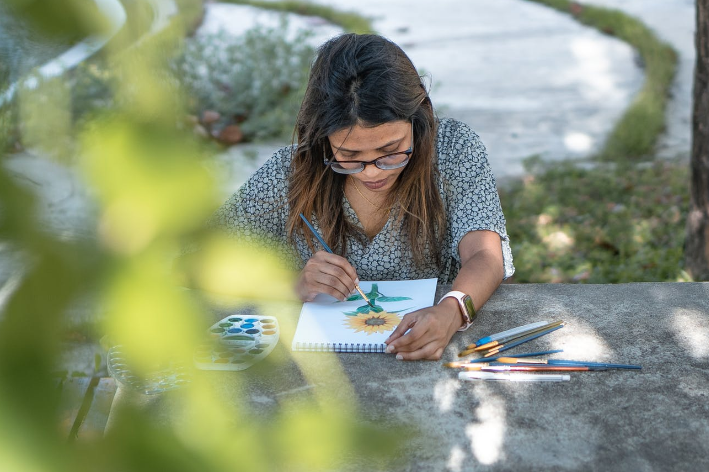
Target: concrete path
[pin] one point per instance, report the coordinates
(674, 21)
(528, 79)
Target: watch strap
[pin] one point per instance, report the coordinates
(467, 308)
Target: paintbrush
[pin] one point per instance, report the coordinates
(510, 332)
(488, 359)
(491, 345)
(327, 248)
(560, 362)
(531, 368)
(495, 345)
(504, 347)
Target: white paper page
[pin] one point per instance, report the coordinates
(329, 321)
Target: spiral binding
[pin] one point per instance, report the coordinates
(339, 347)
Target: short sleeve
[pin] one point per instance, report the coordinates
(470, 191)
(259, 209)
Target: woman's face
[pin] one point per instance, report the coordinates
(361, 143)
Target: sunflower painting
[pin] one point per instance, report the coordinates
(373, 319)
(373, 322)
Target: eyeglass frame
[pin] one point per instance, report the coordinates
(408, 152)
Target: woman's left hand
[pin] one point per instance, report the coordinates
(429, 331)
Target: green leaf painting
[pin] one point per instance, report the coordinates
(374, 295)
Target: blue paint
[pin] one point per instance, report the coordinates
(251, 320)
(247, 325)
(234, 330)
(253, 331)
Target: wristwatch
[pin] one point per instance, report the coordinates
(467, 308)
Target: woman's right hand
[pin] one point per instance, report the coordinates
(326, 273)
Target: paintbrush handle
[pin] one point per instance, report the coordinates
(594, 364)
(316, 234)
(327, 248)
(525, 339)
(502, 341)
(509, 332)
(537, 368)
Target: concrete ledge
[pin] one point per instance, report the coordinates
(654, 419)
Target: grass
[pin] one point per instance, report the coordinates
(350, 22)
(636, 132)
(607, 224)
(618, 219)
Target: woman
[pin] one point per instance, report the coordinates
(395, 193)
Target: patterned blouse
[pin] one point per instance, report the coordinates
(259, 210)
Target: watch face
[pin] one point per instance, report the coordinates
(469, 308)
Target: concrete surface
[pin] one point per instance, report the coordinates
(674, 21)
(656, 419)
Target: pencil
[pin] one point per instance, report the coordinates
(327, 248)
(504, 347)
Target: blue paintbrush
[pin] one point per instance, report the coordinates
(558, 362)
(327, 248)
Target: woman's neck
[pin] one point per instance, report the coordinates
(371, 208)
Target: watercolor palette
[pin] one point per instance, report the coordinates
(166, 376)
(237, 342)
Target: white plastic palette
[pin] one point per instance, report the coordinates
(237, 342)
(166, 376)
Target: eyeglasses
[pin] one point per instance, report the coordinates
(389, 162)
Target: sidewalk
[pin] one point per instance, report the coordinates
(529, 80)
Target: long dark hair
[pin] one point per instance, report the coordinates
(365, 80)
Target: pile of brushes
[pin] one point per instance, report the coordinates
(493, 367)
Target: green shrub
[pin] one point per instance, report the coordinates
(255, 80)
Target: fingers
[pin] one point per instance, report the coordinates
(423, 334)
(430, 351)
(407, 322)
(326, 273)
(414, 337)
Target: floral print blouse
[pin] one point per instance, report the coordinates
(259, 210)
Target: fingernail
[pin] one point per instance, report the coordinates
(357, 281)
(353, 291)
(389, 349)
(400, 357)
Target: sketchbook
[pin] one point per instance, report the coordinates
(327, 324)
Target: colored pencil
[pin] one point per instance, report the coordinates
(507, 339)
(327, 248)
(509, 332)
(504, 347)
